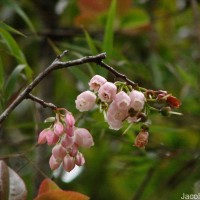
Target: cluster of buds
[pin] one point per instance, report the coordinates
(67, 139)
(120, 102)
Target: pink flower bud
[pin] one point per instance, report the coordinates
(83, 138)
(137, 100)
(107, 92)
(68, 163)
(115, 116)
(53, 163)
(58, 128)
(96, 82)
(73, 150)
(79, 159)
(59, 152)
(142, 139)
(70, 121)
(122, 100)
(67, 141)
(42, 136)
(51, 137)
(85, 101)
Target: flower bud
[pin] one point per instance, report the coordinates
(51, 137)
(58, 128)
(59, 152)
(67, 141)
(68, 163)
(142, 139)
(42, 136)
(53, 163)
(83, 138)
(79, 159)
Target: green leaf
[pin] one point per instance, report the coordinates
(12, 46)
(109, 31)
(20, 12)
(12, 80)
(1, 75)
(134, 19)
(11, 29)
(90, 42)
(187, 77)
(15, 51)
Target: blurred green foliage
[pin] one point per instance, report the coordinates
(155, 43)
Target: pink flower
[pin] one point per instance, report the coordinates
(83, 138)
(67, 141)
(42, 137)
(53, 163)
(79, 159)
(107, 92)
(85, 101)
(122, 100)
(68, 163)
(73, 150)
(59, 152)
(96, 82)
(115, 116)
(51, 137)
(70, 121)
(58, 128)
(137, 100)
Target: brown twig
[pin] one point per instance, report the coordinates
(117, 74)
(41, 102)
(57, 64)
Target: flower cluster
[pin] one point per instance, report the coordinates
(66, 139)
(120, 102)
(117, 100)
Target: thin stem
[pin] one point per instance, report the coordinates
(40, 101)
(117, 74)
(57, 64)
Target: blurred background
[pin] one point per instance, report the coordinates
(155, 43)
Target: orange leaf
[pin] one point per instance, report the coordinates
(62, 195)
(46, 186)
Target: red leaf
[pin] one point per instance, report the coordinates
(47, 185)
(173, 102)
(62, 195)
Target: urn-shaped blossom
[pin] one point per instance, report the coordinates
(68, 163)
(79, 159)
(59, 152)
(58, 128)
(116, 116)
(70, 121)
(96, 82)
(107, 92)
(137, 100)
(83, 138)
(122, 100)
(85, 101)
(53, 163)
